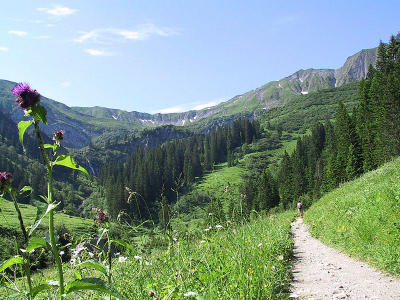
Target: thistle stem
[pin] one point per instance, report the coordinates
(26, 239)
(53, 243)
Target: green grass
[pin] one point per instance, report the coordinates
(251, 261)
(247, 262)
(362, 218)
(9, 221)
(215, 182)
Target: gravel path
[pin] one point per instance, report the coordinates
(321, 272)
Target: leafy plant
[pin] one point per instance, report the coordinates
(29, 101)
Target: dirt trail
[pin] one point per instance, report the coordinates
(321, 272)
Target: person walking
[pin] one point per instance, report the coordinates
(300, 208)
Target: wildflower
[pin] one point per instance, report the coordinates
(137, 257)
(219, 226)
(151, 294)
(101, 216)
(5, 180)
(58, 135)
(121, 259)
(75, 254)
(26, 97)
(190, 294)
(53, 282)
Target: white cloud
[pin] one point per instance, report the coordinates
(58, 10)
(189, 106)
(4, 49)
(50, 25)
(142, 32)
(205, 105)
(169, 110)
(65, 84)
(95, 52)
(17, 32)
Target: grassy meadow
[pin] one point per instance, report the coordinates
(251, 261)
(362, 218)
(9, 220)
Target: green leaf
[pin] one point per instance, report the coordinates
(125, 245)
(22, 127)
(101, 235)
(40, 288)
(36, 242)
(54, 147)
(39, 113)
(68, 161)
(11, 261)
(50, 207)
(93, 284)
(77, 275)
(95, 265)
(25, 189)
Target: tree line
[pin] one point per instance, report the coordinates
(341, 150)
(151, 176)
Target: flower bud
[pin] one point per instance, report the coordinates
(5, 180)
(26, 97)
(58, 135)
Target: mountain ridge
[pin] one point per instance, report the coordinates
(82, 124)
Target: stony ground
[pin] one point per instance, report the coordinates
(321, 272)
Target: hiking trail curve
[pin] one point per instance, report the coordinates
(320, 272)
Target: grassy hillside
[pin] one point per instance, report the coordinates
(9, 225)
(304, 111)
(9, 220)
(247, 262)
(362, 218)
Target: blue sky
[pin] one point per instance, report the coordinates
(164, 56)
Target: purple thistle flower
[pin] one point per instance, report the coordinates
(5, 180)
(58, 135)
(20, 88)
(101, 216)
(26, 96)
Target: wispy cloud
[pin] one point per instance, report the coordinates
(142, 32)
(95, 52)
(65, 84)
(187, 107)
(18, 32)
(205, 105)
(58, 10)
(169, 110)
(3, 49)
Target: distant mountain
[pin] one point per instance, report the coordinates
(272, 94)
(82, 124)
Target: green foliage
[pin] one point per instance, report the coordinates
(362, 218)
(251, 261)
(305, 111)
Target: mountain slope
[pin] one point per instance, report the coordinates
(82, 124)
(252, 103)
(362, 218)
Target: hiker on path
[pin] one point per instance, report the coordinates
(300, 208)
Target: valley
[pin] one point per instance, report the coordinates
(199, 204)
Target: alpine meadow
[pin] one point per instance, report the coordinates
(202, 201)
